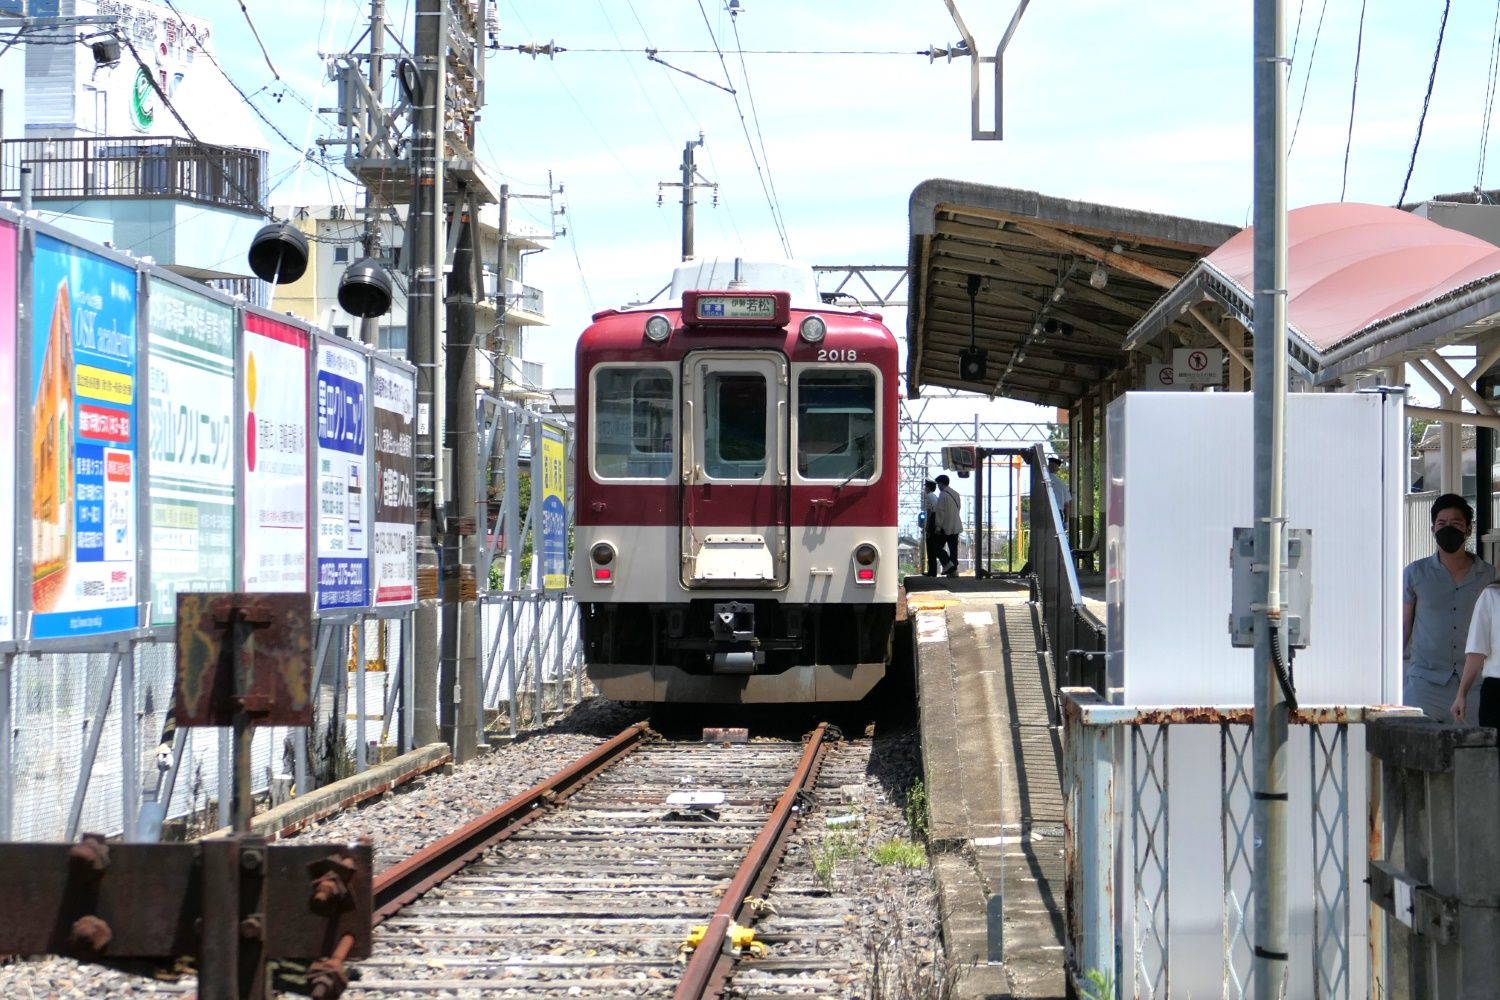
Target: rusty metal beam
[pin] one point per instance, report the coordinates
(710, 963)
(401, 884)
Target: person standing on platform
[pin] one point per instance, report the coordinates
(1060, 492)
(950, 521)
(931, 539)
(1482, 659)
(1439, 595)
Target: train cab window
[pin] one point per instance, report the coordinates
(836, 431)
(735, 431)
(633, 423)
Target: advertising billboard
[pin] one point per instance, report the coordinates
(82, 393)
(343, 472)
(273, 389)
(394, 559)
(8, 424)
(190, 394)
(554, 511)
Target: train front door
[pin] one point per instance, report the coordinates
(736, 493)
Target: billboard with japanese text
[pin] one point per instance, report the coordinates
(554, 510)
(8, 238)
(342, 476)
(84, 470)
(273, 391)
(190, 393)
(394, 558)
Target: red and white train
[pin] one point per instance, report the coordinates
(735, 533)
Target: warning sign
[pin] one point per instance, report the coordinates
(1198, 365)
(1163, 378)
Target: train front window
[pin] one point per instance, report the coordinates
(836, 432)
(633, 423)
(735, 425)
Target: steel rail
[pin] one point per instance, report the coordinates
(407, 881)
(711, 962)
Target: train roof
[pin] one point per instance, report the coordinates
(718, 274)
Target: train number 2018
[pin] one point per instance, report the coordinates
(835, 354)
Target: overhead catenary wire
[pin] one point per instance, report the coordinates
(251, 23)
(1437, 54)
(1359, 45)
(1489, 100)
(1307, 78)
(759, 137)
(786, 244)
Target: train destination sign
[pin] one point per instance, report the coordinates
(758, 308)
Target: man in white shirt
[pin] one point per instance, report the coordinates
(948, 511)
(931, 539)
(1060, 492)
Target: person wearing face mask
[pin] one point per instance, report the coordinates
(1440, 592)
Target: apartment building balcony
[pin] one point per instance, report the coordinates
(184, 203)
(524, 305)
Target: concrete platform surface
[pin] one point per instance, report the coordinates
(992, 762)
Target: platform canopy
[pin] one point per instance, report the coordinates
(1058, 284)
(1368, 288)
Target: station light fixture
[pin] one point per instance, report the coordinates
(365, 289)
(278, 253)
(1100, 277)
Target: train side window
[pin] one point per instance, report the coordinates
(735, 438)
(633, 426)
(837, 436)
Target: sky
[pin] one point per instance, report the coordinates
(1146, 106)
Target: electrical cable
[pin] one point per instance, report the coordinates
(1307, 78)
(1489, 101)
(246, 11)
(765, 189)
(1284, 675)
(755, 116)
(1426, 100)
(1359, 45)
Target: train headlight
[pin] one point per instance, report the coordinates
(813, 329)
(658, 328)
(603, 557)
(865, 557)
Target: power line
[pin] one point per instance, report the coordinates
(1307, 77)
(765, 188)
(246, 11)
(1427, 99)
(755, 115)
(1359, 44)
(1489, 100)
(550, 49)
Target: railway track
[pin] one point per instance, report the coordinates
(589, 883)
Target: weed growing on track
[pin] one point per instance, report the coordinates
(900, 854)
(834, 848)
(916, 810)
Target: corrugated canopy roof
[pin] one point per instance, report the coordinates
(1367, 287)
(1023, 247)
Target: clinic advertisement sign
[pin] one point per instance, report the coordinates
(554, 512)
(343, 472)
(273, 394)
(84, 469)
(394, 560)
(8, 239)
(190, 393)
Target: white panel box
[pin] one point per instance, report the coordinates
(1180, 480)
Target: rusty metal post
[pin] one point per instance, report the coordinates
(7, 727)
(1093, 843)
(231, 953)
(1476, 846)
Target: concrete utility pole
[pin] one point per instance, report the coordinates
(369, 329)
(458, 677)
(1270, 942)
(688, 183)
(426, 239)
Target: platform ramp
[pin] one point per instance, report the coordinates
(992, 759)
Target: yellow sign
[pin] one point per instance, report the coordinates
(112, 387)
(554, 510)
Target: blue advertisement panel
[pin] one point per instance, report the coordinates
(342, 474)
(83, 442)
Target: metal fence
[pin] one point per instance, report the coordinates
(90, 748)
(1075, 636)
(1143, 803)
(135, 167)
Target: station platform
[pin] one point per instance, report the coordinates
(993, 767)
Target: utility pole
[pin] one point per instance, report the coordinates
(458, 677)
(1270, 942)
(369, 331)
(690, 180)
(426, 237)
